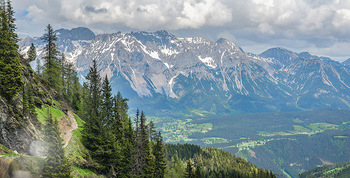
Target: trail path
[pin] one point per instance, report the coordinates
(67, 126)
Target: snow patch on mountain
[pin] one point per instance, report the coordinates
(208, 61)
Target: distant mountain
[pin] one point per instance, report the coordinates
(346, 63)
(160, 72)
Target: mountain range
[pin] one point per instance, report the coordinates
(168, 75)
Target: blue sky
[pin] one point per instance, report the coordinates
(319, 26)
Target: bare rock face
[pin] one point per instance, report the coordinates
(14, 134)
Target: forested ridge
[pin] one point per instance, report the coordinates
(107, 142)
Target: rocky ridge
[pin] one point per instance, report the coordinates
(160, 70)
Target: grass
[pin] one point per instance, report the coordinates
(178, 131)
(245, 145)
(42, 113)
(214, 140)
(310, 129)
(79, 172)
(75, 150)
(4, 150)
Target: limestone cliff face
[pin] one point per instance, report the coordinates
(14, 133)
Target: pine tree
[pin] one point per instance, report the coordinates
(107, 103)
(189, 169)
(158, 152)
(198, 173)
(52, 68)
(11, 21)
(147, 158)
(63, 71)
(137, 168)
(93, 127)
(128, 150)
(56, 164)
(76, 90)
(31, 53)
(10, 70)
(38, 66)
(152, 132)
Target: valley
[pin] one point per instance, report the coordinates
(266, 108)
(286, 142)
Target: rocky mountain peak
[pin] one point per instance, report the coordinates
(80, 33)
(346, 63)
(194, 72)
(160, 38)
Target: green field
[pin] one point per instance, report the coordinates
(271, 140)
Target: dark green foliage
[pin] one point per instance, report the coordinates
(10, 69)
(107, 103)
(189, 169)
(197, 173)
(70, 82)
(11, 21)
(93, 133)
(38, 66)
(52, 69)
(209, 162)
(341, 170)
(31, 53)
(56, 164)
(158, 152)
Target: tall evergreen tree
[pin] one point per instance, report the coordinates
(10, 70)
(147, 160)
(56, 164)
(93, 127)
(52, 68)
(198, 173)
(31, 53)
(158, 152)
(137, 169)
(107, 103)
(77, 95)
(11, 21)
(63, 71)
(38, 66)
(189, 169)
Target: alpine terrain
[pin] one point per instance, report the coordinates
(197, 76)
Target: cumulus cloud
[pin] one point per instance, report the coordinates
(136, 14)
(316, 22)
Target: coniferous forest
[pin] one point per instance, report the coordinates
(107, 142)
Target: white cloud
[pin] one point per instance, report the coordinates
(316, 22)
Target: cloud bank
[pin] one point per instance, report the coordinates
(311, 24)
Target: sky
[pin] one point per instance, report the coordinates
(321, 27)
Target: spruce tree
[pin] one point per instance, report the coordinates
(198, 173)
(107, 103)
(38, 66)
(31, 53)
(76, 91)
(56, 164)
(11, 21)
(10, 69)
(93, 127)
(52, 68)
(158, 152)
(137, 168)
(147, 158)
(189, 169)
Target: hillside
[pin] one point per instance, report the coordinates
(29, 159)
(341, 170)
